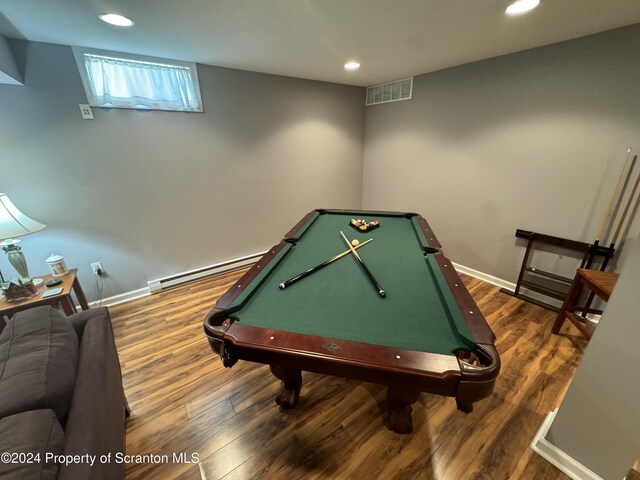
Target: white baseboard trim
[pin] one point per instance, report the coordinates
(120, 298)
(160, 284)
(498, 282)
(557, 457)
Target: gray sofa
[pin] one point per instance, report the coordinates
(62, 405)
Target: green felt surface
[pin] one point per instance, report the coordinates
(418, 313)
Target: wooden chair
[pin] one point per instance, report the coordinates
(600, 283)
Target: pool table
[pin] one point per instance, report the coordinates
(425, 335)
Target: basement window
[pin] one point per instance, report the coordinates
(130, 81)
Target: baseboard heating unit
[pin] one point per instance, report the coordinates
(160, 284)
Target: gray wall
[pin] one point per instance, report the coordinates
(156, 193)
(598, 421)
(533, 140)
(8, 69)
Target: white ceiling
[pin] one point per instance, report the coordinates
(313, 38)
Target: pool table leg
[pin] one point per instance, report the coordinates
(399, 402)
(291, 384)
(464, 407)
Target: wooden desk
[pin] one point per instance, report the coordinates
(600, 283)
(69, 283)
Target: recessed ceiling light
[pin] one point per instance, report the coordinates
(117, 20)
(522, 6)
(351, 66)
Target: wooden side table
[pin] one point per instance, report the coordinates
(600, 283)
(69, 283)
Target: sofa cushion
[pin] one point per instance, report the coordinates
(96, 420)
(26, 438)
(38, 358)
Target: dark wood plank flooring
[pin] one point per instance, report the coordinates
(183, 400)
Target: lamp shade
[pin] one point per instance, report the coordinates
(14, 223)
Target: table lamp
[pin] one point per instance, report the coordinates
(14, 223)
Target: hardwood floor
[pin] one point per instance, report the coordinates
(183, 400)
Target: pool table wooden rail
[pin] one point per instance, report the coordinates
(372, 363)
(429, 372)
(292, 235)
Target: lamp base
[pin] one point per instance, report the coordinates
(15, 256)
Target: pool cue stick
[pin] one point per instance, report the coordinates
(302, 275)
(616, 195)
(606, 219)
(611, 248)
(372, 279)
(626, 210)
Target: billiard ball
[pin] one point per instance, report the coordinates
(355, 242)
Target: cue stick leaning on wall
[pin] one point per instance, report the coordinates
(372, 279)
(618, 194)
(626, 210)
(614, 198)
(621, 222)
(606, 219)
(306, 273)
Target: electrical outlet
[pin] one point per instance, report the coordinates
(97, 268)
(85, 109)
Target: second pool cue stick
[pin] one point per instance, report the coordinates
(626, 210)
(372, 279)
(614, 199)
(306, 273)
(611, 248)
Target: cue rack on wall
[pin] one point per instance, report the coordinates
(554, 286)
(546, 283)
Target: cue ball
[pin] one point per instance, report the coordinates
(355, 242)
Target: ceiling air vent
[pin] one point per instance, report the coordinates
(390, 92)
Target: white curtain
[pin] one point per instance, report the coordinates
(117, 82)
